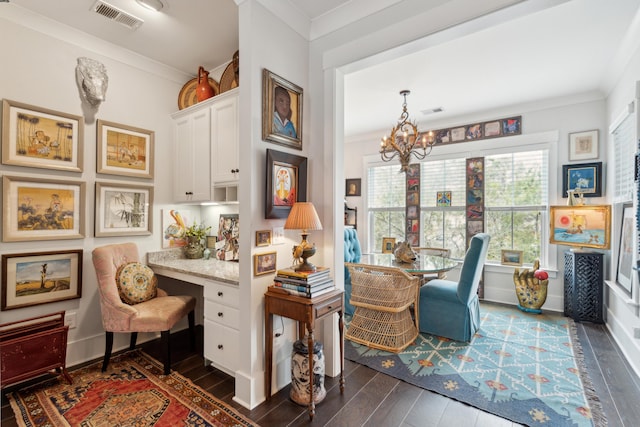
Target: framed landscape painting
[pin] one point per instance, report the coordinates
(42, 209)
(40, 277)
(41, 138)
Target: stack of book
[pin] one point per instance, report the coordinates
(304, 284)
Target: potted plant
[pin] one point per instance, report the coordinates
(195, 235)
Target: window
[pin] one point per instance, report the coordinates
(516, 200)
(624, 149)
(386, 204)
(516, 189)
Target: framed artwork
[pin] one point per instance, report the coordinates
(40, 277)
(281, 111)
(625, 253)
(125, 150)
(583, 145)
(587, 226)
(41, 138)
(352, 187)
(227, 241)
(263, 238)
(278, 236)
(42, 209)
(174, 224)
(264, 263)
(584, 177)
(211, 242)
(387, 244)
(123, 209)
(512, 126)
(511, 257)
(443, 198)
(286, 183)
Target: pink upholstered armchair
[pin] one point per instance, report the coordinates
(158, 314)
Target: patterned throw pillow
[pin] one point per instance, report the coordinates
(136, 283)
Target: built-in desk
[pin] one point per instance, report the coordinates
(219, 280)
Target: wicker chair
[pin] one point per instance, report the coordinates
(437, 252)
(382, 297)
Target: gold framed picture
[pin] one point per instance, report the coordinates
(263, 238)
(125, 150)
(264, 263)
(587, 226)
(511, 257)
(36, 208)
(41, 138)
(387, 244)
(281, 111)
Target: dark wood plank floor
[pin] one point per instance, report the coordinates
(374, 399)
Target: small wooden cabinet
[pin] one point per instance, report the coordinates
(583, 286)
(221, 325)
(32, 347)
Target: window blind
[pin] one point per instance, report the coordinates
(624, 159)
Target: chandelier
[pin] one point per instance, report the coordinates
(405, 140)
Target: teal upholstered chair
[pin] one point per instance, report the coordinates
(452, 309)
(352, 253)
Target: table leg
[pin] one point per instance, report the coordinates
(268, 356)
(341, 332)
(312, 404)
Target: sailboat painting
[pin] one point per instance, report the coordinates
(587, 226)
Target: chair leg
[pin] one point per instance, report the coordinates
(192, 329)
(134, 338)
(107, 350)
(164, 335)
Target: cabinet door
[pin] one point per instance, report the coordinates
(224, 145)
(192, 166)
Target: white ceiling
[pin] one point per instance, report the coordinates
(564, 50)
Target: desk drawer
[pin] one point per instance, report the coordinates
(330, 306)
(222, 314)
(221, 346)
(224, 294)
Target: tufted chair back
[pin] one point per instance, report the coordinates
(352, 253)
(158, 314)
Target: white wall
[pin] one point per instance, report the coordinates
(39, 69)
(265, 42)
(623, 311)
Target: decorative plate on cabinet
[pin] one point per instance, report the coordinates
(228, 79)
(187, 96)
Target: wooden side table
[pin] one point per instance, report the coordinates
(306, 311)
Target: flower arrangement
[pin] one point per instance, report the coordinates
(197, 230)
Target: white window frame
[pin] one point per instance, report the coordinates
(512, 144)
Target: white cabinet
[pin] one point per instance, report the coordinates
(206, 150)
(192, 145)
(225, 153)
(221, 325)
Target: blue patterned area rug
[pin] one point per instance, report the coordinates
(525, 367)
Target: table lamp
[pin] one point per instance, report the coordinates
(303, 216)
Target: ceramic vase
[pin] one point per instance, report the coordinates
(204, 89)
(300, 387)
(194, 248)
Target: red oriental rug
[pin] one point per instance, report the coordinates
(132, 392)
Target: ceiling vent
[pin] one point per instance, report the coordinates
(113, 13)
(432, 111)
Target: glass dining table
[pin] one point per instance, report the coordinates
(424, 264)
